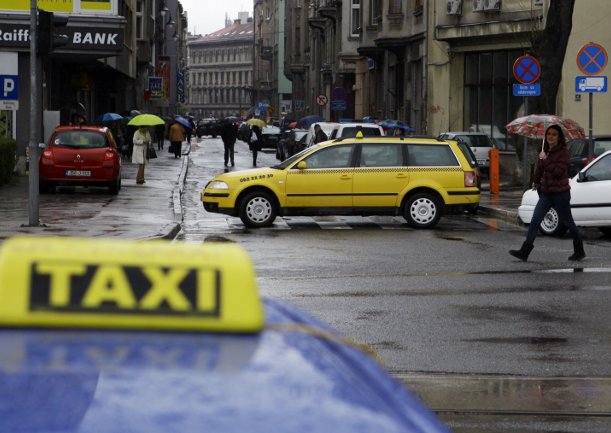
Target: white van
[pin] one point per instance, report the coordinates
(349, 130)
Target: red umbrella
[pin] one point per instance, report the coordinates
(535, 125)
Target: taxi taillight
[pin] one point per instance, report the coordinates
(470, 179)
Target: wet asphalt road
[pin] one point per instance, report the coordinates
(490, 343)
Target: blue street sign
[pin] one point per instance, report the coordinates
(9, 87)
(527, 90)
(339, 105)
(591, 84)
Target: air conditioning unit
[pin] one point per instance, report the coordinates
(492, 5)
(454, 7)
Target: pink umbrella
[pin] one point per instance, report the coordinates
(535, 125)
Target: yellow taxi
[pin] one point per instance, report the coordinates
(418, 178)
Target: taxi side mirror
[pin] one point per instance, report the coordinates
(302, 165)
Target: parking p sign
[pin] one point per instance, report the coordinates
(9, 82)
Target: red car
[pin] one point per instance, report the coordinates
(80, 155)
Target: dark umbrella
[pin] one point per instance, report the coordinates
(184, 122)
(396, 124)
(109, 117)
(306, 121)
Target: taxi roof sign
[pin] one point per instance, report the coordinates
(152, 285)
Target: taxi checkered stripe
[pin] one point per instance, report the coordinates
(378, 170)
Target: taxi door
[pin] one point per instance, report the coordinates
(380, 175)
(326, 182)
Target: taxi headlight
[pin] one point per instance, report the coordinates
(217, 184)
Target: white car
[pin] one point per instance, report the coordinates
(590, 200)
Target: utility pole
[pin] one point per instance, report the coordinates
(33, 196)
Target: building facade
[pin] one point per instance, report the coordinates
(113, 49)
(220, 71)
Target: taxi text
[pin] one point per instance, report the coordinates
(115, 288)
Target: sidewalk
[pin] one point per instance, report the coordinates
(69, 214)
(85, 212)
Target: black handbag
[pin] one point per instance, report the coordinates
(150, 153)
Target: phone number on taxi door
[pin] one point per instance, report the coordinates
(261, 176)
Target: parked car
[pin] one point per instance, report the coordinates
(117, 336)
(270, 135)
(479, 142)
(348, 130)
(590, 203)
(579, 149)
(292, 143)
(208, 127)
(80, 156)
(418, 178)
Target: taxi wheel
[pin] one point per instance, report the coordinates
(422, 211)
(258, 209)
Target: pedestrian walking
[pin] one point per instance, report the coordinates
(255, 143)
(160, 135)
(229, 135)
(319, 134)
(551, 180)
(141, 140)
(177, 136)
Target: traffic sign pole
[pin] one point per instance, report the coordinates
(527, 70)
(592, 59)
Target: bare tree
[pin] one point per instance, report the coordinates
(549, 47)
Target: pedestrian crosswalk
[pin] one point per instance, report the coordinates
(217, 223)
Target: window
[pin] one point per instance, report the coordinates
(381, 155)
(374, 12)
(489, 103)
(427, 155)
(331, 157)
(139, 21)
(395, 6)
(355, 17)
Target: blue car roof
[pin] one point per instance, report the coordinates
(297, 375)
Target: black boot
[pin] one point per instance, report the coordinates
(578, 252)
(523, 252)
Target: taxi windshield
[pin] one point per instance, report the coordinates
(287, 162)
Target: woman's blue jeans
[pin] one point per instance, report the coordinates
(561, 201)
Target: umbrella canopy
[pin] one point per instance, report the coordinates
(109, 117)
(534, 126)
(146, 120)
(293, 125)
(184, 122)
(256, 122)
(306, 121)
(396, 124)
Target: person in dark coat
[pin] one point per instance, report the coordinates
(319, 134)
(551, 179)
(255, 145)
(160, 135)
(229, 135)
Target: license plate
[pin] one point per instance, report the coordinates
(82, 173)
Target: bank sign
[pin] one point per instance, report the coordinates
(99, 39)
